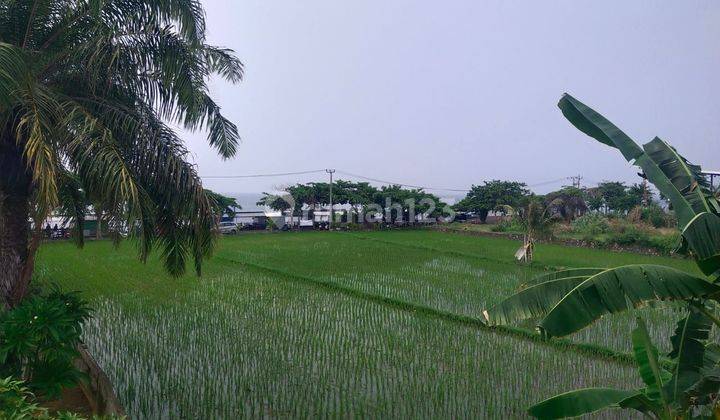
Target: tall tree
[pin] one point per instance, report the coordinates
(567, 202)
(614, 195)
(482, 199)
(635, 196)
(222, 205)
(86, 88)
(275, 202)
(392, 199)
(594, 199)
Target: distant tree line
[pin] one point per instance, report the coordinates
(567, 202)
(393, 202)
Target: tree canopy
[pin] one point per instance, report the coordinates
(482, 199)
(222, 205)
(567, 202)
(613, 196)
(86, 91)
(393, 201)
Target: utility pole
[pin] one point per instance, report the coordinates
(330, 220)
(576, 181)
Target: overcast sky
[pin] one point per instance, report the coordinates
(451, 93)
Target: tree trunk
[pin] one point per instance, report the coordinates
(98, 223)
(15, 184)
(483, 214)
(14, 232)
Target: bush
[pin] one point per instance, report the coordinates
(630, 235)
(16, 402)
(270, 224)
(39, 338)
(354, 226)
(591, 224)
(667, 244)
(655, 216)
(512, 225)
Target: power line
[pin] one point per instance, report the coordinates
(261, 175)
(350, 174)
(401, 184)
(554, 181)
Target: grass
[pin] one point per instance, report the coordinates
(333, 324)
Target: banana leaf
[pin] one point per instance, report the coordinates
(641, 403)
(671, 173)
(646, 356)
(598, 127)
(533, 302)
(618, 289)
(688, 352)
(708, 385)
(579, 402)
(555, 275)
(702, 234)
(685, 177)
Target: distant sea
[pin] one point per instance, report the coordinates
(247, 200)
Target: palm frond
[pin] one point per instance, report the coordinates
(86, 87)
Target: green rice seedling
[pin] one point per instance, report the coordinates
(382, 324)
(250, 345)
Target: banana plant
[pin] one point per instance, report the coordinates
(536, 219)
(687, 384)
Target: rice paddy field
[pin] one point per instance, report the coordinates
(331, 324)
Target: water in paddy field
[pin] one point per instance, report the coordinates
(250, 345)
(329, 325)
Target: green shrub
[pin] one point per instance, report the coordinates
(17, 402)
(270, 224)
(512, 225)
(655, 216)
(666, 244)
(591, 224)
(39, 338)
(354, 226)
(630, 235)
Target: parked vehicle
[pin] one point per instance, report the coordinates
(228, 228)
(306, 224)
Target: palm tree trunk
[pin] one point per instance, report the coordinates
(98, 224)
(14, 232)
(14, 226)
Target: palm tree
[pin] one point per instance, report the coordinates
(87, 88)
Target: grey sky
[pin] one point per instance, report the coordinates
(449, 93)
